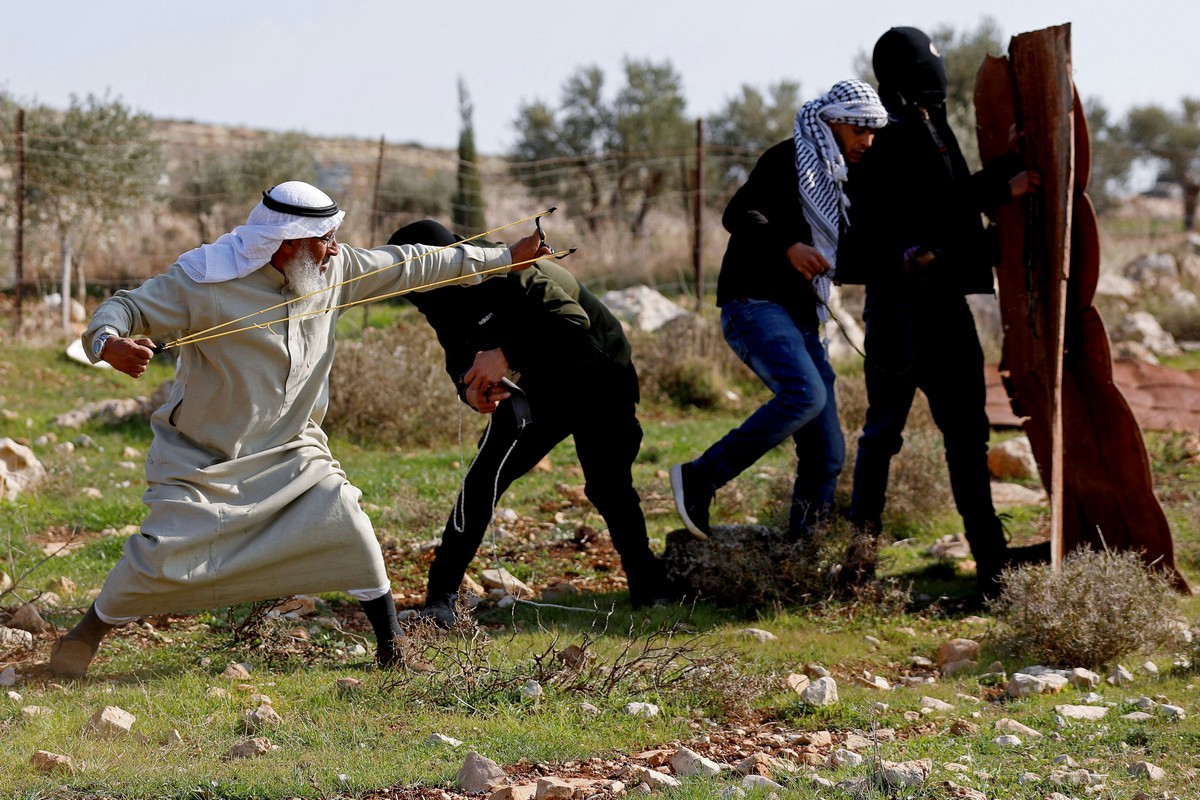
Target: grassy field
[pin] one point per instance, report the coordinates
(719, 690)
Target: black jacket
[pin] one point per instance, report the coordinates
(552, 330)
(912, 190)
(764, 219)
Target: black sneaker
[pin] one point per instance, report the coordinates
(441, 611)
(692, 500)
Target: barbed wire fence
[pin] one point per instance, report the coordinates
(637, 218)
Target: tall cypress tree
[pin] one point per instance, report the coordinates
(468, 199)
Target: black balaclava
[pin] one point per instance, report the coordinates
(910, 70)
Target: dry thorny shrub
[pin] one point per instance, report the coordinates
(757, 567)
(1101, 607)
(465, 667)
(392, 387)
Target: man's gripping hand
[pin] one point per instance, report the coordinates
(527, 249)
(128, 355)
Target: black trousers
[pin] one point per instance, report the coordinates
(931, 345)
(602, 419)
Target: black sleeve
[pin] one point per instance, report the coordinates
(767, 206)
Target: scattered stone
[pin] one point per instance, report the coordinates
(36, 711)
(816, 671)
(654, 779)
(218, 692)
(1073, 777)
(1144, 769)
(844, 758)
(15, 697)
(876, 682)
(952, 789)
(642, 307)
(251, 748)
(110, 722)
(935, 704)
(1119, 676)
(1150, 668)
(1023, 685)
(1064, 761)
(20, 469)
(1084, 678)
(502, 579)
(522, 791)
(688, 763)
(855, 742)
(479, 773)
(822, 692)
(797, 682)
(1012, 459)
(15, 639)
(759, 634)
(952, 547)
(532, 690)
(814, 739)
(551, 788)
(236, 672)
(872, 640)
(641, 709)
(439, 738)
(588, 708)
(1007, 740)
(262, 717)
(731, 792)
(957, 650)
(8, 676)
(1082, 712)
(1007, 725)
(760, 782)
(1137, 716)
(45, 761)
(920, 661)
(6, 582)
(173, 738)
(261, 699)
(905, 773)
(1171, 712)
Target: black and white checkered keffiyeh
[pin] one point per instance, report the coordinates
(821, 167)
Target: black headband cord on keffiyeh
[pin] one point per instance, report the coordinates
(821, 166)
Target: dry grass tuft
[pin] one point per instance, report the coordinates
(1101, 608)
(392, 387)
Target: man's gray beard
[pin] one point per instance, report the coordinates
(304, 277)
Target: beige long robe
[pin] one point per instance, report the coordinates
(245, 500)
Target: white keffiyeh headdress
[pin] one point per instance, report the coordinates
(821, 167)
(291, 210)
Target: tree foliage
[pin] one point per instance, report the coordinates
(219, 188)
(606, 158)
(85, 168)
(747, 125)
(1173, 140)
(467, 204)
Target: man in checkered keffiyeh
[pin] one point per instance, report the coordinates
(784, 226)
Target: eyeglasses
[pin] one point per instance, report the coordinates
(328, 239)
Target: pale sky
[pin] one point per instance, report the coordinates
(370, 68)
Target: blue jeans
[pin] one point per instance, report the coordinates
(791, 361)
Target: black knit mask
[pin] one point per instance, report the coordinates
(910, 70)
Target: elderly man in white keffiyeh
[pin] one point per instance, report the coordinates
(784, 227)
(245, 501)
